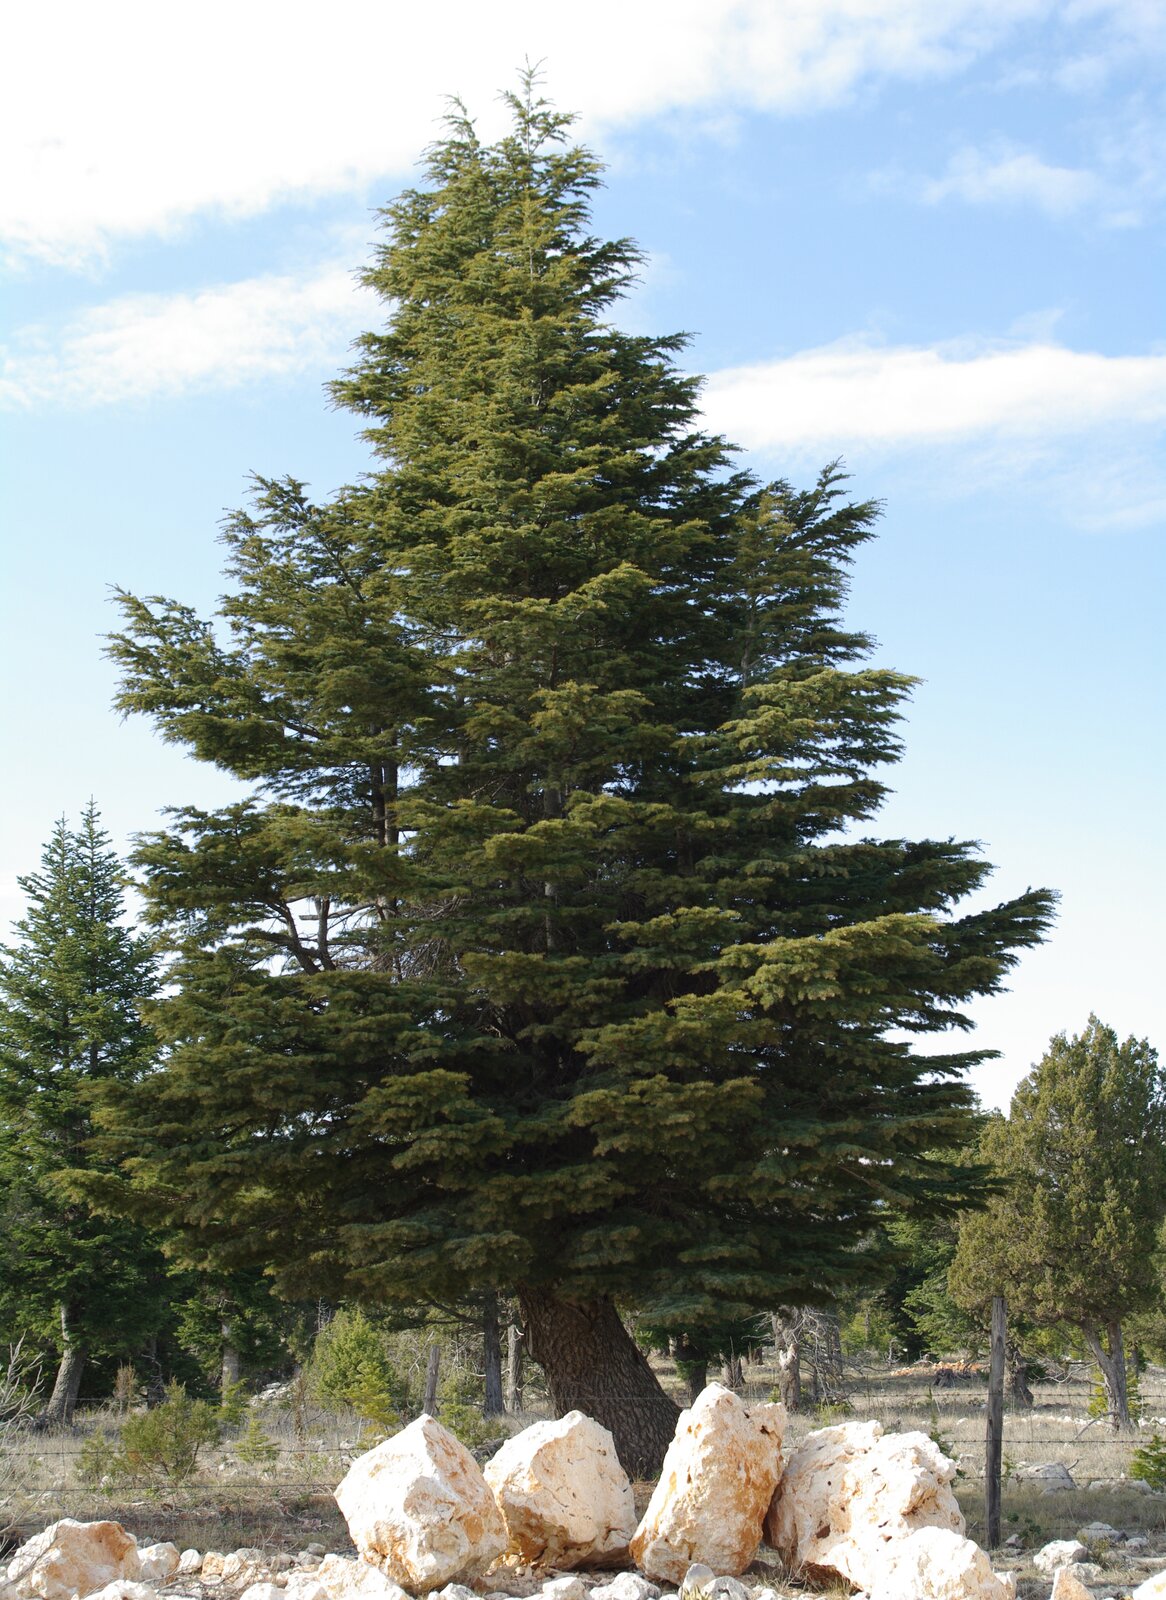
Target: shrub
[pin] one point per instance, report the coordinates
(165, 1442)
(351, 1362)
(255, 1449)
(1148, 1462)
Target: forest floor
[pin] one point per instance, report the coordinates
(286, 1504)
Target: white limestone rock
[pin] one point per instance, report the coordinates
(566, 1499)
(850, 1491)
(1154, 1588)
(263, 1591)
(1058, 1553)
(123, 1589)
(1069, 1584)
(938, 1564)
(159, 1562)
(189, 1562)
(341, 1578)
(73, 1558)
(627, 1586)
(716, 1483)
(419, 1508)
(565, 1588)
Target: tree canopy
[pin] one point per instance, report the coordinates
(1072, 1235)
(550, 952)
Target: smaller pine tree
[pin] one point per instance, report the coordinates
(70, 991)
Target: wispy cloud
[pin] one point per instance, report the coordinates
(1011, 176)
(143, 346)
(1079, 430)
(146, 119)
(854, 390)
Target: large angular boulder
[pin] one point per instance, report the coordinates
(73, 1558)
(850, 1491)
(718, 1478)
(938, 1564)
(419, 1509)
(566, 1499)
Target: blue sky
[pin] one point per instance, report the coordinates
(923, 235)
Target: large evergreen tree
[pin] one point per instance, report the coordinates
(70, 991)
(1072, 1236)
(548, 955)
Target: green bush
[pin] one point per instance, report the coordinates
(1148, 1463)
(165, 1441)
(351, 1359)
(99, 1461)
(255, 1449)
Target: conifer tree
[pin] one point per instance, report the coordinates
(1072, 1237)
(547, 955)
(70, 989)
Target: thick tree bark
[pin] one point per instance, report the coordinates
(63, 1400)
(787, 1340)
(593, 1365)
(514, 1375)
(1112, 1363)
(492, 1404)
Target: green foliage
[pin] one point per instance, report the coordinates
(99, 1461)
(256, 1449)
(1148, 1462)
(555, 944)
(1071, 1236)
(351, 1366)
(70, 991)
(165, 1441)
(1099, 1404)
(233, 1404)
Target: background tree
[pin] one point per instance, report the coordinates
(1071, 1238)
(70, 992)
(548, 957)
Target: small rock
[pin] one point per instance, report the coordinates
(938, 1564)
(1099, 1532)
(1135, 1541)
(262, 1591)
(308, 1560)
(1154, 1588)
(124, 1589)
(188, 1562)
(341, 1578)
(728, 1589)
(1051, 1476)
(212, 1564)
(566, 1588)
(158, 1562)
(457, 1591)
(320, 1550)
(627, 1586)
(697, 1579)
(1059, 1553)
(1068, 1586)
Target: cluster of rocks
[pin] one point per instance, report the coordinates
(553, 1514)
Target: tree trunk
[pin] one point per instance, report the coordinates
(1016, 1377)
(1112, 1363)
(593, 1365)
(492, 1404)
(514, 1382)
(63, 1400)
(786, 1337)
(231, 1367)
(431, 1370)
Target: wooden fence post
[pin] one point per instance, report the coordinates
(994, 1447)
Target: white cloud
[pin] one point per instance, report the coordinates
(1011, 176)
(130, 118)
(854, 391)
(146, 345)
